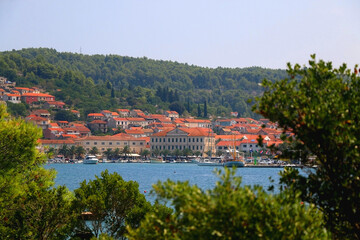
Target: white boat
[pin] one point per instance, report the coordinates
(91, 159)
(157, 160)
(209, 162)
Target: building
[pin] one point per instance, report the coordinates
(195, 139)
(121, 140)
(29, 98)
(13, 98)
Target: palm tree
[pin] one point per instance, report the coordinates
(79, 152)
(145, 153)
(94, 151)
(64, 150)
(117, 153)
(50, 152)
(219, 153)
(72, 151)
(126, 151)
(108, 153)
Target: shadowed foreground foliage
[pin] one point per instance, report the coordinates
(230, 211)
(321, 105)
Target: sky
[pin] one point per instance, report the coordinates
(208, 33)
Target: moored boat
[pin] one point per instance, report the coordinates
(90, 159)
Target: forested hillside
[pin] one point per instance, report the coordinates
(94, 82)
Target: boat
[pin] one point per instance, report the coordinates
(233, 159)
(90, 159)
(156, 160)
(209, 162)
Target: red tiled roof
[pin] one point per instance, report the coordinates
(98, 122)
(95, 115)
(37, 95)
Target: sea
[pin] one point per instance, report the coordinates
(147, 174)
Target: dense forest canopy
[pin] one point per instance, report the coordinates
(94, 82)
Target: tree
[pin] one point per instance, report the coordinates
(126, 151)
(229, 211)
(113, 202)
(176, 153)
(108, 153)
(145, 153)
(64, 150)
(72, 151)
(65, 115)
(94, 151)
(156, 152)
(30, 207)
(178, 107)
(205, 109)
(320, 105)
(187, 152)
(80, 151)
(199, 111)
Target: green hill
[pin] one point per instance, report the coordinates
(94, 82)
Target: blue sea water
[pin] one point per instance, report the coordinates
(147, 174)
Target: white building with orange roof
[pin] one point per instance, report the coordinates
(96, 116)
(106, 113)
(172, 114)
(137, 122)
(118, 122)
(13, 98)
(195, 139)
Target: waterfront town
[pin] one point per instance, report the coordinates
(138, 131)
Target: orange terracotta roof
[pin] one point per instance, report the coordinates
(135, 131)
(37, 95)
(13, 95)
(98, 122)
(120, 119)
(74, 111)
(95, 115)
(69, 136)
(136, 119)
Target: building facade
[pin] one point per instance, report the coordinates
(195, 139)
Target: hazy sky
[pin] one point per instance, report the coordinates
(212, 33)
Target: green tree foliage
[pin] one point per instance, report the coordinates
(321, 105)
(113, 202)
(229, 211)
(30, 207)
(17, 109)
(178, 107)
(64, 115)
(90, 82)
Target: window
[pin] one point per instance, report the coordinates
(250, 145)
(176, 140)
(168, 139)
(125, 143)
(152, 140)
(156, 140)
(102, 143)
(244, 145)
(110, 143)
(180, 140)
(152, 147)
(134, 143)
(220, 148)
(141, 143)
(197, 139)
(159, 139)
(201, 140)
(87, 143)
(172, 140)
(117, 143)
(95, 143)
(102, 149)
